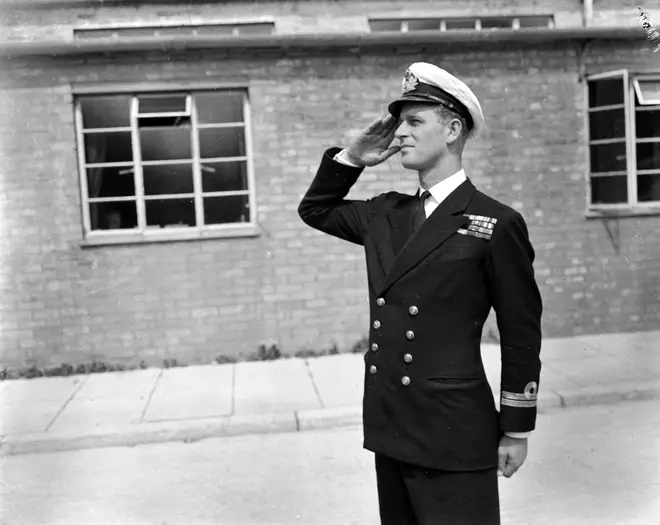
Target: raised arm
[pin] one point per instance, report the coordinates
(324, 206)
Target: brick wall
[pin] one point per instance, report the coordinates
(290, 17)
(195, 300)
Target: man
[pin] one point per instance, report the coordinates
(436, 264)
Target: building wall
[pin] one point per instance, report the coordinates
(195, 300)
(303, 16)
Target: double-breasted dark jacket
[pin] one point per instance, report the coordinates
(426, 397)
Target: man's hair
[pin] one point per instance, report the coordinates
(445, 115)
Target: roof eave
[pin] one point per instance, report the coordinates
(310, 42)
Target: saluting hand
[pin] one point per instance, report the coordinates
(512, 453)
(372, 145)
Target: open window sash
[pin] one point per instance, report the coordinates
(595, 106)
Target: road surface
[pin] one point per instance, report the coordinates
(592, 465)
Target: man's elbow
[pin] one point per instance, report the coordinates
(306, 212)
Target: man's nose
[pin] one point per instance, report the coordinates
(402, 131)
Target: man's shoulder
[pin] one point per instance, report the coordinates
(485, 205)
(392, 199)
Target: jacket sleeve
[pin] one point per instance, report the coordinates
(324, 206)
(518, 307)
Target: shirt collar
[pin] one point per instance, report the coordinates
(442, 189)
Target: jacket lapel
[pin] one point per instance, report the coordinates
(442, 224)
(390, 235)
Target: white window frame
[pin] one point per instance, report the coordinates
(142, 233)
(477, 21)
(194, 22)
(638, 89)
(630, 89)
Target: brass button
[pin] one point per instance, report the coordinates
(373, 369)
(374, 347)
(376, 325)
(380, 301)
(405, 380)
(407, 358)
(410, 335)
(413, 310)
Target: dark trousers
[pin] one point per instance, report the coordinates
(412, 495)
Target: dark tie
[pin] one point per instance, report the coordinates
(419, 215)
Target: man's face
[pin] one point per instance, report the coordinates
(422, 136)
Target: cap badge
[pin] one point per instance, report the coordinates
(409, 81)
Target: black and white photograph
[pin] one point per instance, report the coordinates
(329, 262)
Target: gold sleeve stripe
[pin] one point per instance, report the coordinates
(517, 403)
(521, 397)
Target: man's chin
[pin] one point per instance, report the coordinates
(409, 163)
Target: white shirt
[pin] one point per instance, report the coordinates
(439, 192)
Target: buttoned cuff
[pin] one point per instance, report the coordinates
(341, 158)
(518, 435)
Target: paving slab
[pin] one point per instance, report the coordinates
(611, 393)
(339, 379)
(329, 418)
(266, 387)
(128, 385)
(606, 369)
(25, 418)
(600, 345)
(148, 433)
(192, 392)
(43, 389)
(85, 415)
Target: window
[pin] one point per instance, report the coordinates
(456, 24)
(255, 28)
(164, 163)
(624, 140)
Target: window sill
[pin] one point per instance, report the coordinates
(615, 213)
(181, 235)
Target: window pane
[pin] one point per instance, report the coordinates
(609, 190)
(170, 212)
(167, 179)
(162, 104)
(135, 32)
(106, 112)
(108, 147)
(165, 143)
(460, 23)
(605, 92)
(224, 176)
(218, 30)
(496, 23)
(223, 210)
(648, 188)
(648, 156)
(175, 31)
(385, 25)
(608, 157)
(94, 33)
(423, 25)
(110, 181)
(222, 142)
(650, 91)
(534, 21)
(113, 215)
(255, 29)
(219, 108)
(647, 124)
(608, 124)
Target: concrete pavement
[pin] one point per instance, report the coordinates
(198, 402)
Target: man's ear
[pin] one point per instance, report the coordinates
(455, 128)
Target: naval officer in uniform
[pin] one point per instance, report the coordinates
(437, 262)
